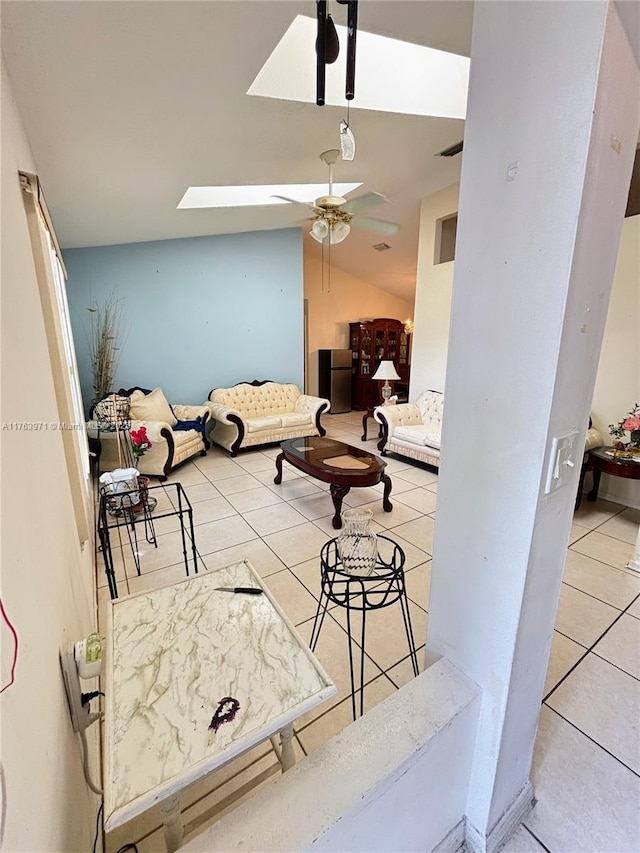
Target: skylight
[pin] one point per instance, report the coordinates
(391, 76)
(246, 196)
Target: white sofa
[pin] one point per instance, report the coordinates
(170, 446)
(413, 429)
(254, 413)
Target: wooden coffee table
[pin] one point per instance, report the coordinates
(602, 460)
(336, 463)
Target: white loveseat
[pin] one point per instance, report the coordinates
(413, 429)
(253, 413)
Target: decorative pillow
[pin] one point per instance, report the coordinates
(151, 407)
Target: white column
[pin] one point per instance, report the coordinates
(549, 142)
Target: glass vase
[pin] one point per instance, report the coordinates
(357, 543)
(635, 438)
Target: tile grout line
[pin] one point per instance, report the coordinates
(596, 598)
(615, 666)
(623, 569)
(595, 742)
(590, 649)
(534, 836)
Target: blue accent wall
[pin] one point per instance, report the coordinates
(199, 313)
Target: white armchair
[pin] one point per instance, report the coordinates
(170, 445)
(413, 429)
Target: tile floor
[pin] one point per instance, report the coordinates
(587, 757)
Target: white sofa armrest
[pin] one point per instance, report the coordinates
(154, 429)
(593, 439)
(189, 413)
(311, 405)
(221, 413)
(404, 414)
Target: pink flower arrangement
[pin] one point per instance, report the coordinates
(140, 442)
(631, 424)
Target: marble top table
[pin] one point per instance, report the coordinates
(173, 654)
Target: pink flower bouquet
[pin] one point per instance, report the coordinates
(630, 424)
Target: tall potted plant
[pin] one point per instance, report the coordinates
(104, 344)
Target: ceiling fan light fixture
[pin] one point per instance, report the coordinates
(320, 230)
(340, 231)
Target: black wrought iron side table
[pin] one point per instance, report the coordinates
(382, 588)
(137, 506)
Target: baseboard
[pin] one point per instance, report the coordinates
(617, 499)
(453, 840)
(478, 842)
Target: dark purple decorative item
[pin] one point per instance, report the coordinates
(225, 712)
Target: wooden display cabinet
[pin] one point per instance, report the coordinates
(371, 343)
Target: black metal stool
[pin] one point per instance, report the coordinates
(383, 587)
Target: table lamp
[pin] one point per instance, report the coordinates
(386, 371)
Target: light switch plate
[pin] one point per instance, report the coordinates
(563, 458)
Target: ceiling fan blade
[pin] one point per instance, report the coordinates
(376, 225)
(364, 202)
(293, 200)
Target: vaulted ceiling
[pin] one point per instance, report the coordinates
(128, 103)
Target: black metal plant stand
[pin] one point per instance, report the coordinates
(129, 508)
(384, 587)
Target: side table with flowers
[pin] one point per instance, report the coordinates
(620, 460)
(630, 424)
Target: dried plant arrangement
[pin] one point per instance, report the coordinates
(104, 343)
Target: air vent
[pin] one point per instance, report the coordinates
(452, 151)
(381, 247)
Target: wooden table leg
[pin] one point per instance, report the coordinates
(593, 494)
(337, 495)
(583, 471)
(386, 503)
(365, 418)
(278, 478)
(172, 823)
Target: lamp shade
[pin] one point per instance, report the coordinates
(386, 371)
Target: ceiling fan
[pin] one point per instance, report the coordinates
(333, 215)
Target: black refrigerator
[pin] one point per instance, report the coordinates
(334, 378)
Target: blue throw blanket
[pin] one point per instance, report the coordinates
(184, 425)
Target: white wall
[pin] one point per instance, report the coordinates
(349, 299)
(47, 580)
(618, 382)
(434, 286)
